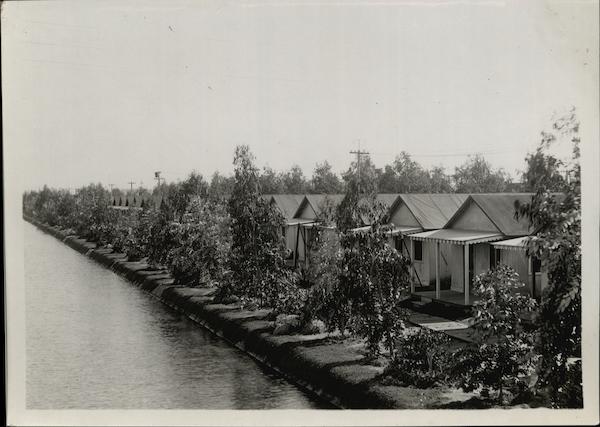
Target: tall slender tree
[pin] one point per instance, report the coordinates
(557, 242)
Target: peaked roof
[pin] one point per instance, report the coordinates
(385, 199)
(286, 203)
(500, 209)
(316, 202)
(432, 211)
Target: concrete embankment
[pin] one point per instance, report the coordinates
(335, 370)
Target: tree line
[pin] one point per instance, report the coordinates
(404, 175)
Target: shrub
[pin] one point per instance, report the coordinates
(203, 243)
(503, 357)
(422, 358)
(291, 298)
(327, 299)
(160, 239)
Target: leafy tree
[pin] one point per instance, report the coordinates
(294, 181)
(411, 176)
(160, 239)
(179, 196)
(123, 239)
(328, 300)
(388, 181)
(348, 212)
(256, 261)
(203, 239)
(220, 186)
(439, 181)
(364, 178)
(270, 182)
(359, 207)
(477, 176)
(377, 278)
(92, 216)
(194, 186)
(502, 355)
(557, 242)
(407, 176)
(324, 180)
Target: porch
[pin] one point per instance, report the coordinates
(466, 240)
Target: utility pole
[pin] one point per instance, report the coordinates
(358, 153)
(131, 186)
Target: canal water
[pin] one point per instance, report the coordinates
(95, 341)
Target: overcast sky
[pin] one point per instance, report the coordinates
(112, 91)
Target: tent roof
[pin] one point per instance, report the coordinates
(387, 200)
(316, 202)
(457, 237)
(432, 211)
(500, 209)
(287, 203)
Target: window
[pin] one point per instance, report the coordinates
(494, 257)
(418, 250)
(537, 265)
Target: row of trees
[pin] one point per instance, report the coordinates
(404, 175)
(356, 283)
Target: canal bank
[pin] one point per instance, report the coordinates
(335, 370)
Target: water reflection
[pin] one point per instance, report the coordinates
(95, 341)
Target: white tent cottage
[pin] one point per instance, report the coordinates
(415, 213)
(481, 220)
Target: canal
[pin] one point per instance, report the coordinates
(95, 341)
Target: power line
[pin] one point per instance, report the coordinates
(466, 154)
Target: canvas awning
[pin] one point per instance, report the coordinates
(404, 230)
(300, 222)
(457, 237)
(312, 224)
(360, 229)
(517, 244)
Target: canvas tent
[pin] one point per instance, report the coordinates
(287, 205)
(414, 213)
(308, 215)
(481, 220)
